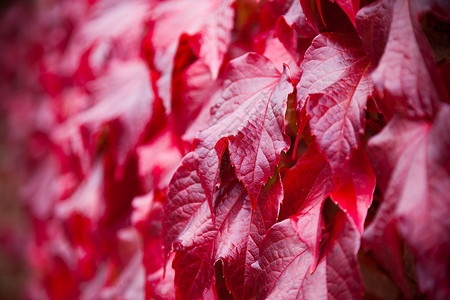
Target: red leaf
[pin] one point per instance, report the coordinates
(147, 217)
(234, 236)
(306, 186)
(295, 18)
(278, 54)
(284, 261)
(209, 21)
(337, 275)
(407, 77)
(158, 160)
(310, 182)
(416, 199)
(350, 7)
(291, 27)
(194, 87)
(250, 118)
(87, 199)
(312, 14)
(335, 77)
(354, 190)
(327, 59)
(372, 24)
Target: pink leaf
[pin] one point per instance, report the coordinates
(158, 160)
(336, 79)
(278, 54)
(250, 118)
(416, 195)
(407, 77)
(123, 107)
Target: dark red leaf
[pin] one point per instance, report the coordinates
(416, 194)
(350, 7)
(233, 238)
(313, 17)
(208, 22)
(306, 186)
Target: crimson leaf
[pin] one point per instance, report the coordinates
(233, 238)
(306, 185)
(335, 84)
(249, 118)
(414, 156)
(406, 76)
(284, 261)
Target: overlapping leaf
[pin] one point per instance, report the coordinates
(233, 238)
(414, 156)
(407, 77)
(103, 98)
(372, 24)
(335, 84)
(284, 264)
(249, 118)
(306, 186)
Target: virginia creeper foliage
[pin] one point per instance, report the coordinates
(229, 149)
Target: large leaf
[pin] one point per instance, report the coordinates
(407, 77)
(336, 82)
(249, 118)
(337, 275)
(284, 261)
(327, 59)
(417, 163)
(233, 237)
